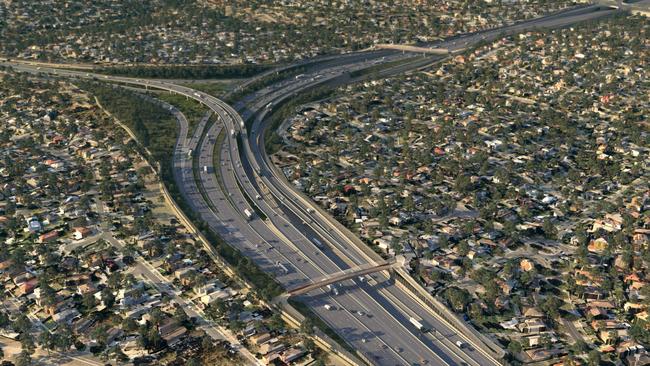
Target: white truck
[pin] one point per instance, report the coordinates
(283, 267)
(327, 307)
(317, 242)
(248, 213)
(418, 324)
(205, 169)
(189, 153)
(232, 132)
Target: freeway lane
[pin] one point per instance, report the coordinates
(367, 333)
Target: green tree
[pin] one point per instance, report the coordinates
(594, 358)
(307, 327)
(309, 344)
(24, 358)
(514, 347)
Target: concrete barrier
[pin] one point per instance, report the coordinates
(287, 312)
(173, 205)
(489, 347)
(294, 318)
(414, 49)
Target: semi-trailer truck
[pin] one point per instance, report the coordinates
(317, 242)
(418, 324)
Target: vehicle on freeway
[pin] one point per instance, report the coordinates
(232, 132)
(248, 213)
(257, 196)
(418, 323)
(205, 169)
(460, 344)
(317, 242)
(327, 307)
(189, 153)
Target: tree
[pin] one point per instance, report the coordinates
(27, 342)
(180, 316)
(206, 343)
(24, 358)
(276, 322)
(89, 302)
(594, 358)
(550, 232)
(514, 347)
(46, 340)
(22, 324)
(309, 344)
(108, 298)
(156, 318)
(307, 327)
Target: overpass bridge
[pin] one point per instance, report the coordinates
(414, 49)
(633, 6)
(342, 276)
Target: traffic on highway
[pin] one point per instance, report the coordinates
(244, 198)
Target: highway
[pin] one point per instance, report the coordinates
(371, 315)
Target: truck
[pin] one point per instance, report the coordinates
(283, 267)
(418, 323)
(460, 344)
(205, 169)
(327, 307)
(189, 153)
(248, 213)
(299, 76)
(232, 132)
(317, 242)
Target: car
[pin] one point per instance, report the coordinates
(460, 344)
(360, 313)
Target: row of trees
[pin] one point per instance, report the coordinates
(186, 72)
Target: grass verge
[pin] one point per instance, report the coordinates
(192, 109)
(157, 130)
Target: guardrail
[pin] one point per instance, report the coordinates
(293, 317)
(490, 348)
(494, 351)
(174, 206)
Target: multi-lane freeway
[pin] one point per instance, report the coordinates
(230, 184)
